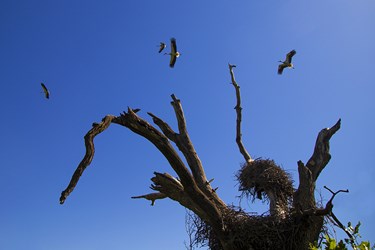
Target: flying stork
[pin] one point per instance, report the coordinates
(174, 53)
(287, 63)
(45, 90)
(162, 46)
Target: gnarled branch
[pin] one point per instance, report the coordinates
(90, 150)
(328, 211)
(321, 155)
(184, 144)
(238, 108)
(139, 126)
(192, 191)
(304, 196)
(329, 205)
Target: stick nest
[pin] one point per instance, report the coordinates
(262, 177)
(250, 232)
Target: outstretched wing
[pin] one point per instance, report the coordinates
(172, 61)
(280, 69)
(45, 90)
(173, 53)
(289, 56)
(173, 45)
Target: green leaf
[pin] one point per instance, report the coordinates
(313, 246)
(331, 244)
(341, 246)
(365, 245)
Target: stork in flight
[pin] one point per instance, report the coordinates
(45, 90)
(162, 46)
(174, 53)
(287, 63)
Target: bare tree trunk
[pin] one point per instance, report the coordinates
(294, 220)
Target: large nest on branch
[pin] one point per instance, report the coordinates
(250, 232)
(261, 177)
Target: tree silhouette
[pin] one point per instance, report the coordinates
(294, 220)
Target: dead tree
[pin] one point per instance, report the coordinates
(294, 219)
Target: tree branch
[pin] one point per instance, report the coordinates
(167, 184)
(238, 108)
(185, 145)
(165, 128)
(151, 197)
(146, 130)
(90, 150)
(340, 225)
(199, 201)
(335, 193)
(304, 196)
(329, 205)
(321, 155)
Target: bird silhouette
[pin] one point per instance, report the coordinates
(174, 53)
(287, 63)
(162, 46)
(45, 90)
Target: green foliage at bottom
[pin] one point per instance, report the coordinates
(329, 243)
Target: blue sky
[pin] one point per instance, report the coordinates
(99, 57)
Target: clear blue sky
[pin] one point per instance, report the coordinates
(99, 57)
